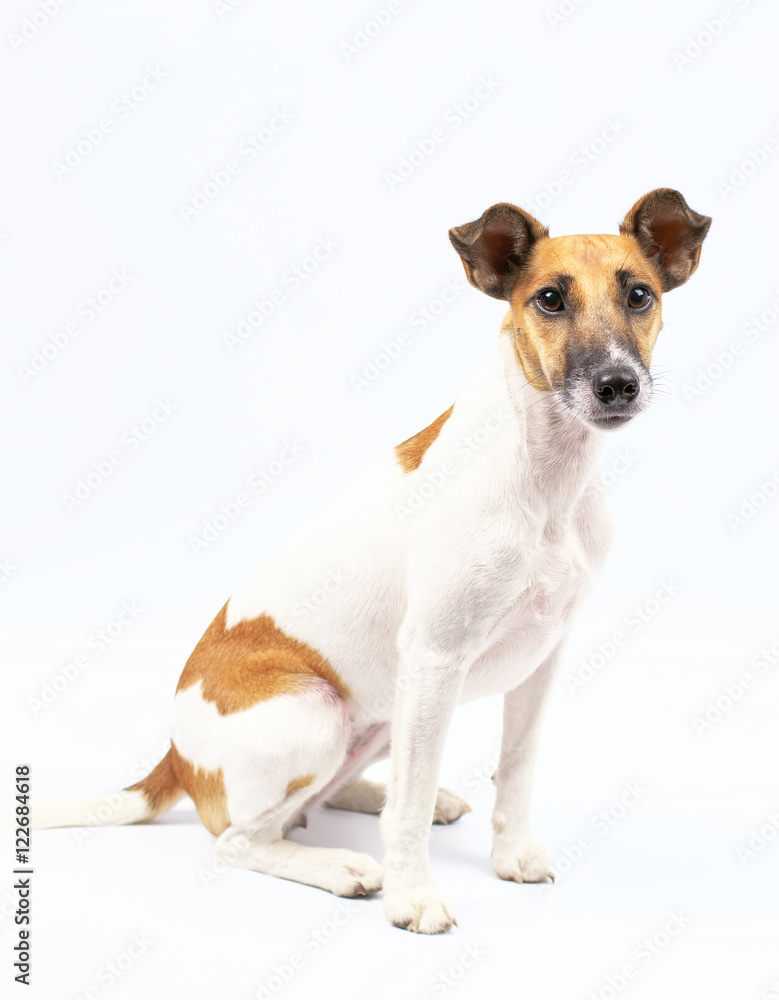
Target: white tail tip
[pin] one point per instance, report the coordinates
(113, 809)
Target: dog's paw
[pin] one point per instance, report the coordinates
(351, 874)
(423, 910)
(449, 806)
(525, 862)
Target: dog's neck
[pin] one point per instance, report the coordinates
(561, 452)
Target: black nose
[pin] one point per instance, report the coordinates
(616, 385)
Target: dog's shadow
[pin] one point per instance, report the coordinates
(340, 828)
(178, 817)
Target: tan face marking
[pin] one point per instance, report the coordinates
(411, 452)
(587, 270)
(297, 783)
(252, 662)
(207, 791)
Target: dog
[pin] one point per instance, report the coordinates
(449, 570)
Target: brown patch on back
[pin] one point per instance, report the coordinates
(542, 343)
(161, 787)
(411, 452)
(207, 791)
(252, 662)
(297, 783)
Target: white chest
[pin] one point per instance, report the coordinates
(537, 619)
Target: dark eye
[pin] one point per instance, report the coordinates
(550, 300)
(639, 298)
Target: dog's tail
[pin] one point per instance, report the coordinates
(139, 803)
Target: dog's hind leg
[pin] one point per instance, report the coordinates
(252, 773)
(364, 795)
(361, 795)
(262, 848)
(258, 842)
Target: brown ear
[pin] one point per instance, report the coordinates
(669, 233)
(496, 246)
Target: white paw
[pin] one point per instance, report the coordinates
(524, 862)
(449, 806)
(423, 910)
(353, 874)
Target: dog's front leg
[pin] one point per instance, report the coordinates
(516, 854)
(427, 692)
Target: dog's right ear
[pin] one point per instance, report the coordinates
(495, 247)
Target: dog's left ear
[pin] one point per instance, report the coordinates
(669, 233)
(495, 247)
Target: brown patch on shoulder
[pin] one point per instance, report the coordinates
(252, 662)
(411, 452)
(161, 787)
(207, 791)
(297, 783)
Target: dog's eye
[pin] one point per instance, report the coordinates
(639, 298)
(550, 300)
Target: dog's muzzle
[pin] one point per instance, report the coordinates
(608, 387)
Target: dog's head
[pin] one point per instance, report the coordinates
(586, 310)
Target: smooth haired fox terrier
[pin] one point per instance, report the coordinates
(448, 581)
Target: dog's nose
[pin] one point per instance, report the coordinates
(616, 385)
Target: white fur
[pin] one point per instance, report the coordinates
(419, 607)
(113, 809)
(466, 595)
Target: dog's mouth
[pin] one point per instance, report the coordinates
(591, 411)
(611, 421)
(578, 396)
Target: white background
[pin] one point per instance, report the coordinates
(683, 121)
